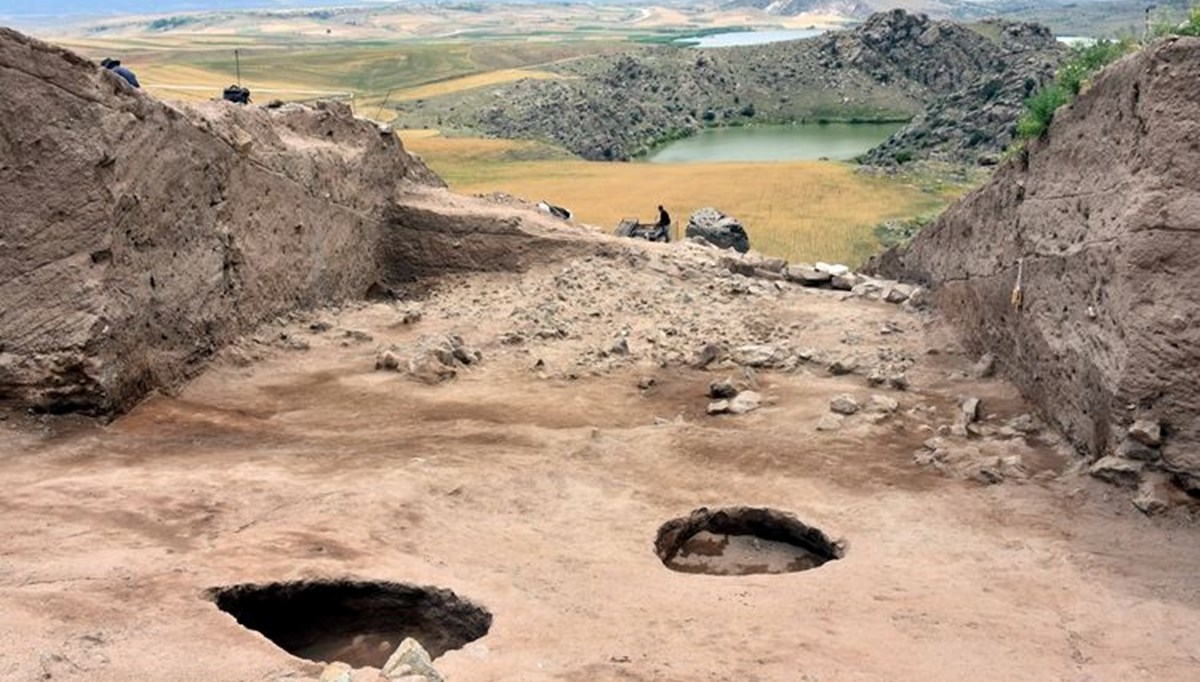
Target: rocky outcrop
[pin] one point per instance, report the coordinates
(616, 107)
(138, 237)
(1103, 214)
(975, 123)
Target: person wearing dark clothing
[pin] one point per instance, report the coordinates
(114, 65)
(662, 229)
(664, 218)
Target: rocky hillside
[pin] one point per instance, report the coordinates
(978, 121)
(1102, 214)
(617, 107)
(138, 238)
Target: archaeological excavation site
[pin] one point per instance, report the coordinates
(277, 405)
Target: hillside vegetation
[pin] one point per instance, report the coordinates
(617, 107)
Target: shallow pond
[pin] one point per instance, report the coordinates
(837, 141)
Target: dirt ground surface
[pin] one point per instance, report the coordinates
(534, 482)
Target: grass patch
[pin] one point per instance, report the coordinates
(802, 211)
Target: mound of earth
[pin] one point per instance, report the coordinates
(1102, 213)
(141, 237)
(616, 107)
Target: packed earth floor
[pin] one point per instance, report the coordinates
(335, 444)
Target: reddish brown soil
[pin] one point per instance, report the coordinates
(539, 497)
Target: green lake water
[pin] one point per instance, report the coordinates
(807, 141)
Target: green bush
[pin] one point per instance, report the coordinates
(1069, 81)
(1039, 110)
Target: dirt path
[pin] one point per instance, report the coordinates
(536, 489)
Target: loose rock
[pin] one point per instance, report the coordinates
(744, 402)
(844, 404)
(1146, 432)
(722, 389)
(409, 660)
(1118, 471)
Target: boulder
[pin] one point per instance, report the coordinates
(718, 229)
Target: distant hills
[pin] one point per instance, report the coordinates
(101, 8)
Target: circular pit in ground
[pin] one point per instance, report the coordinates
(743, 541)
(357, 622)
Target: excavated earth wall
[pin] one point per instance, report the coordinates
(139, 237)
(1105, 212)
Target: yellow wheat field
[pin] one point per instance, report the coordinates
(802, 211)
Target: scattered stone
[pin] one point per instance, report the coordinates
(1154, 494)
(620, 347)
(410, 317)
(842, 366)
(320, 326)
(512, 339)
(1117, 470)
(358, 336)
(431, 369)
(919, 298)
(898, 293)
(846, 282)
(1132, 449)
(646, 383)
(806, 276)
(707, 355)
(844, 404)
(830, 422)
(1146, 432)
(738, 266)
(718, 407)
(833, 270)
(411, 660)
(722, 389)
(969, 409)
(882, 404)
(1024, 424)
(387, 360)
(898, 381)
(744, 402)
(987, 475)
(867, 288)
(760, 355)
(985, 367)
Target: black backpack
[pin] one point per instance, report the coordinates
(236, 94)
